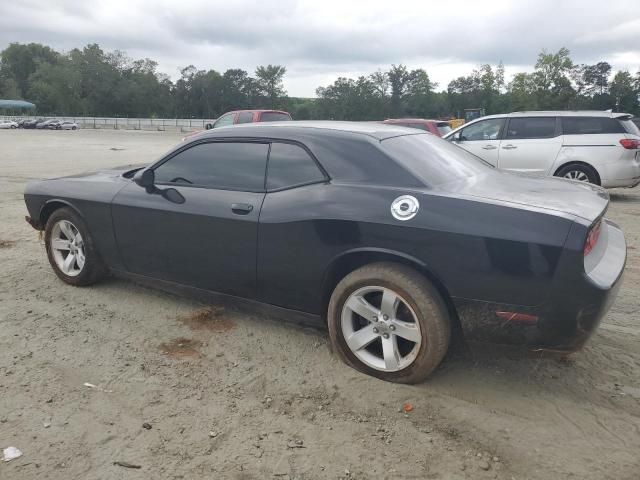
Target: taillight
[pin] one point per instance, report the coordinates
(592, 238)
(630, 143)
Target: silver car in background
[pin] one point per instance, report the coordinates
(598, 147)
(67, 126)
(8, 124)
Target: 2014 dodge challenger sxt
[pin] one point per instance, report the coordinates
(395, 237)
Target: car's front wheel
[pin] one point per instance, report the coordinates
(71, 250)
(389, 321)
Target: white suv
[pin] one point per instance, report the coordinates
(596, 147)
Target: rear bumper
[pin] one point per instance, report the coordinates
(623, 173)
(568, 319)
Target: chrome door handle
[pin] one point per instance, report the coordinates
(509, 147)
(241, 208)
(489, 147)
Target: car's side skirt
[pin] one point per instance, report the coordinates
(273, 312)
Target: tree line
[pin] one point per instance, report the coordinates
(92, 82)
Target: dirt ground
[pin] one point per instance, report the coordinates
(190, 391)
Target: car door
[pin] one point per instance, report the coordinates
(482, 138)
(530, 144)
(296, 188)
(198, 226)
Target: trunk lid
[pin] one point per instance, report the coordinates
(555, 194)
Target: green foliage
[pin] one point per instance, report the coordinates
(624, 91)
(92, 82)
(269, 84)
(20, 61)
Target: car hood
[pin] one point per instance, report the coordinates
(552, 194)
(125, 170)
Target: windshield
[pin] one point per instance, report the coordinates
(433, 160)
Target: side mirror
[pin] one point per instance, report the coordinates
(208, 126)
(145, 178)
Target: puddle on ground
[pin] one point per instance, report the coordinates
(7, 243)
(212, 319)
(181, 348)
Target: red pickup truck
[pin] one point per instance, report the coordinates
(249, 116)
(437, 127)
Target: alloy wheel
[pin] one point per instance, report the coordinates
(67, 247)
(381, 329)
(577, 175)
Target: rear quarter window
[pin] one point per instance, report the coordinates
(591, 125)
(274, 117)
(290, 165)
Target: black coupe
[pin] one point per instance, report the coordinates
(395, 238)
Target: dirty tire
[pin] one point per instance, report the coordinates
(423, 298)
(94, 268)
(579, 169)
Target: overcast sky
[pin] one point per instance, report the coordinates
(319, 40)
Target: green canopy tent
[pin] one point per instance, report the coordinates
(13, 106)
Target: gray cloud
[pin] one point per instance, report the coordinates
(320, 40)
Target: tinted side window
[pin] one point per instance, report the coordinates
(291, 165)
(224, 120)
(274, 117)
(229, 166)
(531, 127)
(245, 117)
(483, 130)
(590, 125)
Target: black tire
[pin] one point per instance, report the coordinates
(94, 268)
(74, 128)
(576, 169)
(422, 297)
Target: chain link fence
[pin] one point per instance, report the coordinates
(116, 123)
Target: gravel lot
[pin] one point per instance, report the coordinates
(225, 394)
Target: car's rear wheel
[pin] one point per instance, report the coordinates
(71, 250)
(74, 128)
(388, 321)
(582, 173)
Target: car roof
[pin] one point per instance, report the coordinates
(561, 113)
(258, 111)
(378, 131)
(399, 120)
